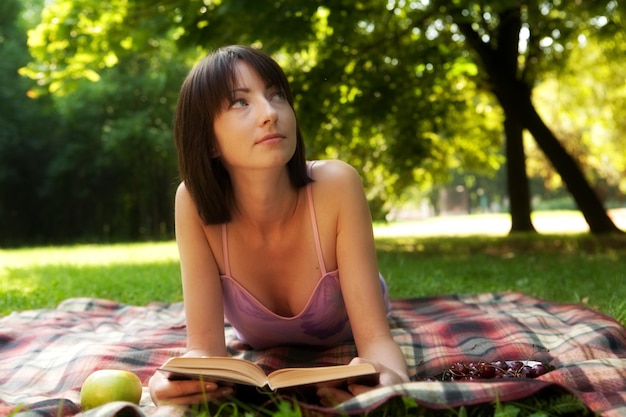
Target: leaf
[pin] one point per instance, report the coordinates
(506, 410)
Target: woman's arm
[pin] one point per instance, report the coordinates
(358, 272)
(203, 306)
(202, 289)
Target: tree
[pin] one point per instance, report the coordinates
(389, 82)
(110, 170)
(26, 126)
(495, 39)
(586, 116)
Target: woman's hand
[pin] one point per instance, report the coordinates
(331, 396)
(184, 392)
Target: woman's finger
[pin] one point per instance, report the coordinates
(199, 397)
(165, 391)
(191, 387)
(330, 396)
(356, 389)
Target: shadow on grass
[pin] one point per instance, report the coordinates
(579, 269)
(504, 246)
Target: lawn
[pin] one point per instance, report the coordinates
(464, 254)
(565, 267)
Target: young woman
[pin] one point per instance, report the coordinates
(281, 247)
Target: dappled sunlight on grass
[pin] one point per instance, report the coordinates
(135, 253)
(12, 286)
(563, 222)
(573, 268)
(129, 273)
(507, 246)
(9, 282)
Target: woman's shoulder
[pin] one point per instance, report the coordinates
(183, 197)
(333, 172)
(188, 217)
(185, 206)
(335, 181)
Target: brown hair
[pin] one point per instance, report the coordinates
(202, 96)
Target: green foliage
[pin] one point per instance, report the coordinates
(96, 162)
(78, 39)
(542, 406)
(392, 87)
(583, 113)
(116, 157)
(554, 404)
(25, 126)
(371, 88)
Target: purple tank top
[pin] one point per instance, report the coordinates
(322, 322)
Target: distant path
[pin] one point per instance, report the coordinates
(546, 222)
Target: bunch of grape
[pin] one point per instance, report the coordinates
(474, 371)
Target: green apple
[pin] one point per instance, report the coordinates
(107, 385)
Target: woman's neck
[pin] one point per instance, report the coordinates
(264, 202)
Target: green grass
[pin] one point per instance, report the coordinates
(574, 268)
(131, 273)
(567, 267)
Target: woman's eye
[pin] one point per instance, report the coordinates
(278, 95)
(239, 103)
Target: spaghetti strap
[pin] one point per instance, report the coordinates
(316, 234)
(225, 250)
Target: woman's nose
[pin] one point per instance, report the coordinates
(269, 114)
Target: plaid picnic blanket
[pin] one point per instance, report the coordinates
(45, 355)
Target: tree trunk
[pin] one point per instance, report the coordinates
(514, 95)
(517, 179)
(585, 197)
(501, 68)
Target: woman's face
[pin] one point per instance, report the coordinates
(258, 128)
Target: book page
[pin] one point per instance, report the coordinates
(222, 368)
(290, 377)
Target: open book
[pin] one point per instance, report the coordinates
(240, 371)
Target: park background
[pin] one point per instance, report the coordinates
(489, 135)
(490, 138)
(445, 108)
